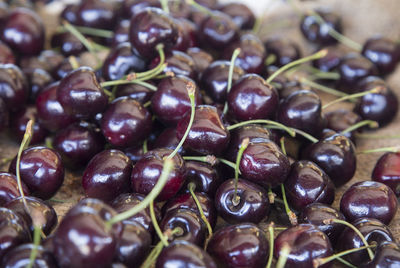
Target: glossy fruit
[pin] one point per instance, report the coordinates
(386, 255)
(6, 54)
(241, 15)
(96, 14)
(341, 119)
(20, 257)
(178, 63)
(285, 51)
(14, 87)
(383, 53)
(136, 92)
(387, 171)
(9, 188)
(204, 176)
(19, 121)
(67, 43)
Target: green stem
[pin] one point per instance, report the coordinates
(283, 255)
(323, 88)
(370, 123)
(157, 228)
(200, 7)
(91, 31)
(300, 132)
(271, 195)
(228, 163)
(282, 141)
(151, 258)
(36, 242)
(243, 147)
(372, 136)
(72, 29)
(74, 62)
(394, 149)
(271, 245)
(209, 159)
(351, 97)
(263, 121)
(145, 146)
(164, 5)
(348, 264)
(235, 54)
(321, 261)
(292, 216)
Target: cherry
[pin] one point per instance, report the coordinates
(341, 119)
(387, 255)
(168, 139)
(182, 253)
(178, 63)
(23, 31)
(47, 60)
(387, 171)
(383, 53)
(239, 245)
(141, 93)
(9, 188)
(149, 28)
(132, 7)
(283, 51)
(204, 176)
(252, 98)
(179, 9)
(369, 199)
(207, 135)
(201, 58)
(13, 86)
(6, 54)
(307, 183)
(18, 125)
(96, 14)
(38, 79)
(187, 33)
(20, 257)
(241, 15)
(336, 156)
(316, 213)
(306, 242)
(41, 170)
(319, 32)
(80, 93)
(252, 204)
(69, 13)
(332, 59)
(67, 43)
(147, 170)
(121, 32)
(63, 69)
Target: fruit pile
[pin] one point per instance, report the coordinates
(196, 143)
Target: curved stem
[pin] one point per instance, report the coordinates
(271, 245)
(283, 256)
(235, 54)
(290, 131)
(160, 234)
(243, 147)
(164, 5)
(209, 159)
(271, 195)
(323, 88)
(228, 163)
(370, 123)
(151, 258)
(351, 97)
(394, 149)
(282, 141)
(36, 242)
(300, 132)
(321, 261)
(292, 216)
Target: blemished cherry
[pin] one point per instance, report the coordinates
(252, 98)
(23, 31)
(107, 175)
(265, 164)
(336, 156)
(14, 87)
(147, 171)
(20, 257)
(41, 170)
(387, 255)
(6, 54)
(369, 199)
(372, 229)
(151, 27)
(331, 60)
(80, 93)
(168, 139)
(126, 122)
(18, 125)
(67, 43)
(387, 171)
(246, 242)
(135, 91)
(253, 204)
(316, 213)
(306, 243)
(96, 14)
(208, 134)
(284, 51)
(307, 183)
(341, 119)
(171, 101)
(184, 254)
(241, 15)
(178, 63)
(204, 176)
(9, 188)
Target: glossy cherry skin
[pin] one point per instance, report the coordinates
(331, 60)
(41, 170)
(317, 32)
(369, 199)
(96, 14)
(121, 32)
(20, 257)
(316, 213)
(241, 15)
(43, 214)
(204, 176)
(9, 188)
(284, 51)
(341, 119)
(265, 164)
(13, 86)
(132, 7)
(253, 205)
(126, 122)
(4, 115)
(336, 156)
(80, 93)
(184, 254)
(208, 135)
(178, 63)
(241, 245)
(107, 175)
(67, 43)
(187, 32)
(387, 171)
(23, 31)
(373, 230)
(252, 98)
(38, 79)
(306, 243)
(6, 54)
(387, 255)
(134, 91)
(171, 101)
(214, 79)
(383, 53)
(64, 68)
(168, 139)
(150, 27)
(19, 122)
(47, 60)
(147, 171)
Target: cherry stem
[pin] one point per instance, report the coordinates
(167, 167)
(162, 237)
(319, 74)
(284, 254)
(346, 262)
(271, 244)
(200, 7)
(370, 123)
(209, 159)
(292, 216)
(289, 130)
(190, 87)
(323, 88)
(243, 146)
(394, 149)
(271, 195)
(270, 60)
(318, 55)
(351, 226)
(352, 97)
(144, 148)
(164, 5)
(228, 163)
(147, 104)
(321, 261)
(74, 62)
(235, 54)
(282, 141)
(91, 31)
(376, 136)
(36, 242)
(300, 132)
(192, 187)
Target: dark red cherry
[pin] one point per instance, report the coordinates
(47, 60)
(80, 93)
(387, 171)
(132, 7)
(96, 14)
(302, 110)
(6, 54)
(203, 175)
(241, 245)
(241, 15)
(331, 60)
(306, 243)
(134, 153)
(126, 122)
(265, 164)
(135, 91)
(201, 58)
(121, 32)
(336, 156)
(20, 256)
(40, 213)
(168, 139)
(150, 27)
(252, 98)
(13, 86)
(284, 51)
(317, 213)
(120, 61)
(69, 13)
(64, 68)
(18, 125)
(41, 170)
(373, 230)
(178, 63)
(9, 188)
(184, 254)
(387, 255)
(369, 199)
(252, 204)
(383, 52)
(38, 79)
(147, 171)
(171, 101)
(107, 175)
(67, 43)
(208, 135)
(318, 32)
(4, 115)
(23, 31)
(341, 119)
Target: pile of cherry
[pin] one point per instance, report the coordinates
(191, 120)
